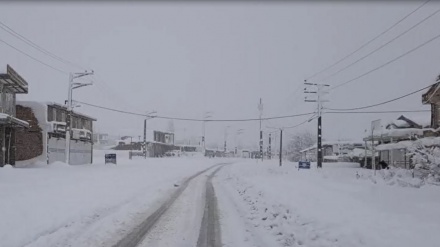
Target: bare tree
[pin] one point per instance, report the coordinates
(298, 142)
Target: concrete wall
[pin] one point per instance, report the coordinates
(80, 152)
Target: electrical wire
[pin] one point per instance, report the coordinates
(37, 47)
(384, 102)
(194, 119)
(368, 42)
(387, 63)
(378, 112)
(382, 46)
(33, 58)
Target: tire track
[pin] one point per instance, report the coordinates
(136, 236)
(210, 233)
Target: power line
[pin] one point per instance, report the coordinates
(387, 63)
(382, 46)
(382, 103)
(368, 42)
(37, 47)
(194, 119)
(33, 58)
(375, 112)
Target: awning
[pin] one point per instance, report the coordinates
(13, 121)
(13, 82)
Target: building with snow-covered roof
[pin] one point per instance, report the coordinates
(397, 137)
(45, 141)
(11, 83)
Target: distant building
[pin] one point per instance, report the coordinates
(11, 84)
(45, 139)
(101, 138)
(158, 143)
(332, 151)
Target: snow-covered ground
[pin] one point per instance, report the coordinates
(60, 205)
(262, 204)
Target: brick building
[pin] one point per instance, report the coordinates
(45, 141)
(11, 84)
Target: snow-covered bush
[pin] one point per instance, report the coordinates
(298, 142)
(426, 161)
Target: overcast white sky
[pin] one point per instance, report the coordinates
(182, 59)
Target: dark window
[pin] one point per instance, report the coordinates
(49, 114)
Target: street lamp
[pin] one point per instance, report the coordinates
(148, 115)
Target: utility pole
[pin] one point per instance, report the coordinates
(374, 125)
(206, 115)
(72, 85)
(237, 133)
(281, 146)
(319, 93)
(144, 145)
(226, 137)
(260, 108)
(269, 151)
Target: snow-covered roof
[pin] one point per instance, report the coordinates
(427, 141)
(38, 106)
(11, 119)
(401, 123)
(421, 119)
(402, 132)
(330, 143)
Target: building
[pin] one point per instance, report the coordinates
(45, 139)
(11, 84)
(432, 97)
(158, 143)
(101, 138)
(333, 151)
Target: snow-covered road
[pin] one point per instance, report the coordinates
(203, 202)
(92, 205)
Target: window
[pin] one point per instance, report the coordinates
(49, 114)
(63, 116)
(59, 117)
(54, 114)
(73, 122)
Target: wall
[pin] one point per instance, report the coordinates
(29, 142)
(80, 152)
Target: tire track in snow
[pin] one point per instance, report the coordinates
(210, 234)
(135, 237)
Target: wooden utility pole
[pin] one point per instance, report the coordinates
(319, 93)
(281, 146)
(260, 108)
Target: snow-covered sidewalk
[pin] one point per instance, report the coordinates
(281, 206)
(60, 205)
